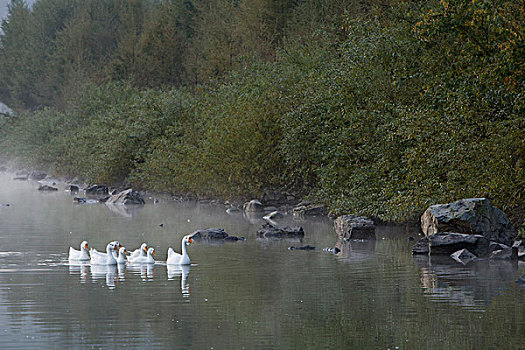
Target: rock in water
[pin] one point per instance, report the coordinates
(354, 227)
(126, 197)
(273, 216)
(270, 231)
(234, 239)
(474, 216)
(97, 189)
(446, 243)
(47, 188)
(253, 206)
(305, 247)
(463, 256)
(37, 175)
(508, 253)
(209, 234)
(72, 188)
(521, 281)
(422, 246)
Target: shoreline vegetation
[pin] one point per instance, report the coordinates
(378, 108)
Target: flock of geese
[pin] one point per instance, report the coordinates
(117, 254)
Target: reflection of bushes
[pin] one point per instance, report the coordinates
(377, 117)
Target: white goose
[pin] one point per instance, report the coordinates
(121, 258)
(178, 259)
(148, 259)
(117, 247)
(81, 254)
(107, 258)
(142, 251)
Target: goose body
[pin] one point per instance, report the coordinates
(148, 259)
(114, 252)
(180, 259)
(121, 258)
(140, 252)
(82, 254)
(107, 258)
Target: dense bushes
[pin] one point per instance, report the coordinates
(379, 115)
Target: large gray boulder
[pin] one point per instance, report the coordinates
(128, 196)
(354, 227)
(475, 216)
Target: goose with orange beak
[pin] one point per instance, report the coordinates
(107, 258)
(148, 259)
(82, 254)
(114, 252)
(121, 258)
(180, 259)
(141, 253)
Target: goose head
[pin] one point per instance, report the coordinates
(122, 251)
(143, 248)
(84, 246)
(110, 247)
(186, 240)
(117, 245)
(151, 251)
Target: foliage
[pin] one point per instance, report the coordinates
(379, 108)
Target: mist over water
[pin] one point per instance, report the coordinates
(254, 294)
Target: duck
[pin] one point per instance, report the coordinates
(142, 251)
(82, 254)
(121, 258)
(148, 259)
(107, 258)
(178, 259)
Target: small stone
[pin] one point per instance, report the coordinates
(463, 256)
(306, 247)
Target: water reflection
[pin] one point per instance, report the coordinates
(355, 251)
(126, 211)
(117, 273)
(109, 272)
(471, 287)
(182, 271)
(146, 271)
(254, 218)
(81, 268)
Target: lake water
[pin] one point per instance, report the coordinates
(253, 294)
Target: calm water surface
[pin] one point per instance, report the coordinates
(253, 294)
